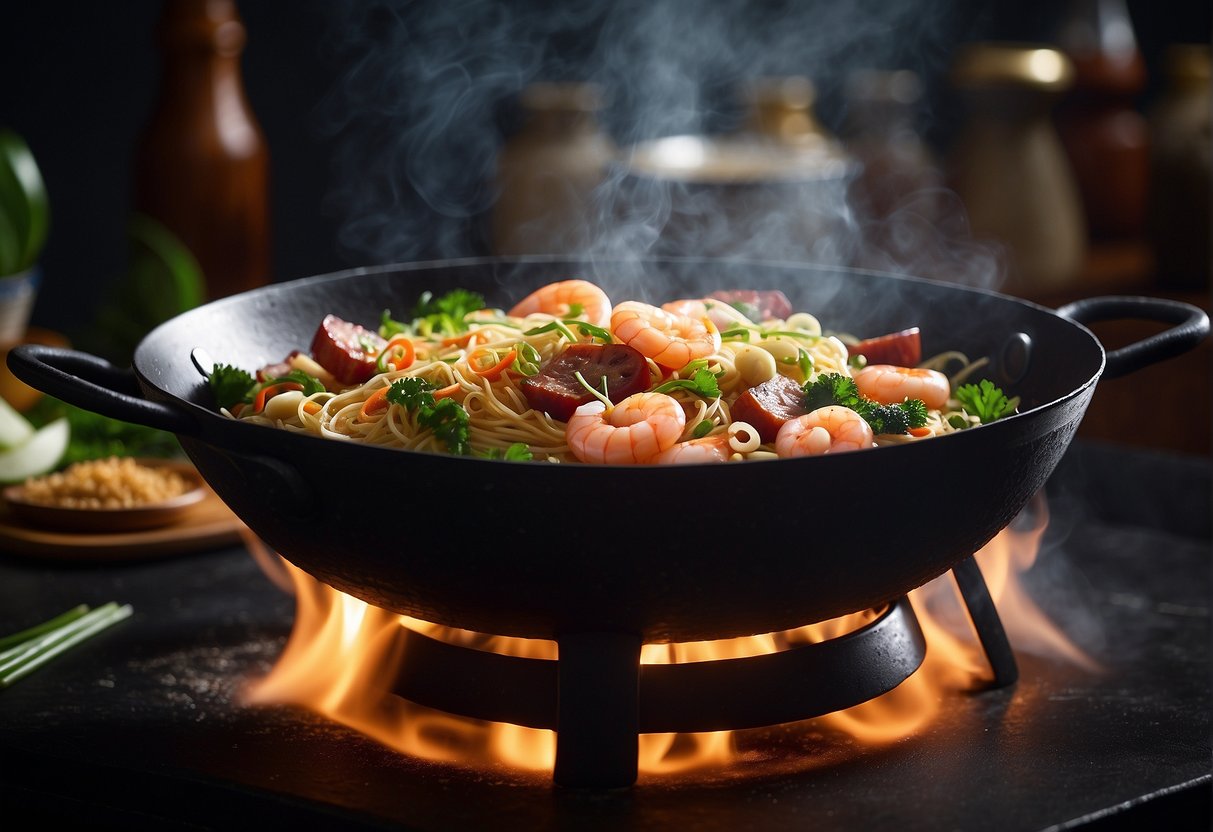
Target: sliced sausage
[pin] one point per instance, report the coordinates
(555, 389)
(346, 350)
(904, 349)
(769, 405)
(278, 370)
(767, 304)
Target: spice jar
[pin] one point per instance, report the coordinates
(1008, 165)
(202, 166)
(781, 109)
(1181, 125)
(547, 173)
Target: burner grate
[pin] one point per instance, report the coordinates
(598, 696)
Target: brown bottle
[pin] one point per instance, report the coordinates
(202, 167)
(1105, 137)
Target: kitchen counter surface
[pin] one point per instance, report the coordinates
(145, 727)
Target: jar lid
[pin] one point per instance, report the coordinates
(735, 160)
(1007, 65)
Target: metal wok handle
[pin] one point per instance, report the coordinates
(94, 384)
(1191, 327)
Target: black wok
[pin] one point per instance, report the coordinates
(669, 553)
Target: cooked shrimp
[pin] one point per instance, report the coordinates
(723, 315)
(708, 449)
(558, 298)
(633, 431)
(889, 384)
(670, 339)
(827, 430)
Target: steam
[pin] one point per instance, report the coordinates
(422, 112)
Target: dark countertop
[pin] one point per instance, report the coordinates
(144, 727)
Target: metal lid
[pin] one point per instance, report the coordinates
(735, 161)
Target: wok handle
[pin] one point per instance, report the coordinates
(94, 384)
(1191, 327)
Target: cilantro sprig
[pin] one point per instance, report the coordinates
(837, 389)
(446, 418)
(985, 401)
(701, 382)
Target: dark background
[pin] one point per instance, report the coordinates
(81, 79)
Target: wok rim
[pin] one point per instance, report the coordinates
(237, 428)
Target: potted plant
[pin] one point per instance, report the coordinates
(24, 220)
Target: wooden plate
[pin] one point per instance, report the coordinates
(191, 522)
(108, 520)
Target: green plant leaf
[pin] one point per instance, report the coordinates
(162, 280)
(23, 199)
(10, 246)
(163, 272)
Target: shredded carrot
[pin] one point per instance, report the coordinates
(374, 403)
(920, 432)
(494, 371)
(446, 392)
(463, 340)
(399, 354)
(311, 408)
(267, 393)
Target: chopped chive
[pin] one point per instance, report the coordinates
(42, 649)
(45, 627)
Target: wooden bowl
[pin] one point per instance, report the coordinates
(101, 520)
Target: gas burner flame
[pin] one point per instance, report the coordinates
(343, 656)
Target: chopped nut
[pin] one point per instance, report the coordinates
(115, 482)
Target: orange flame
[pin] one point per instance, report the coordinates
(343, 655)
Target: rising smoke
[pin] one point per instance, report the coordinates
(423, 108)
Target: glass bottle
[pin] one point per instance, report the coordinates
(1105, 137)
(547, 172)
(202, 166)
(1008, 165)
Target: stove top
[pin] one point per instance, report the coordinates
(144, 728)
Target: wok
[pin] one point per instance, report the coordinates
(674, 553)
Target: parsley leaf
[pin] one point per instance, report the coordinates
(986, 401)
(518, 452)
(389, 326)
(447, 313)
(230, 385)
(447, 419)
(837, 389)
